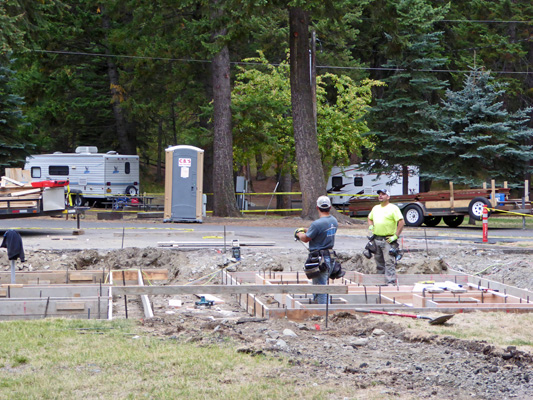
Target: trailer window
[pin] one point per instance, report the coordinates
(35, 172)
(336, 182)
(127, 168)
(358, 181)
(58, 170)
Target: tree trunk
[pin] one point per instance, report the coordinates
(405, 180)
(159, 174)
(260, 175)
(283, 202)
(223, 185)
(125, 145)
(311, 175)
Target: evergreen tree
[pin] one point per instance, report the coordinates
(13, 148)
(412, 49)
(477, 138)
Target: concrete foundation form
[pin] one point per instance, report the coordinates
(84, 294)
(413, 293)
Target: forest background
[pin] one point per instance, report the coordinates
(442, 85)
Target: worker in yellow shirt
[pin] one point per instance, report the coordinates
(386, 222)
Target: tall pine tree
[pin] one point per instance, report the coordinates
(13, 148)
(477, 138)
(412, 49)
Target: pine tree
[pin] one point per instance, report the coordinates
(13, 148)
(412, 49)
(477, 138)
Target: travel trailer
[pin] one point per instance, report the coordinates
(345, 182)
(92, 176)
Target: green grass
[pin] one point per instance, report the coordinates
(57, 359)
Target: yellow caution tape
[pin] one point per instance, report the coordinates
(509, 212)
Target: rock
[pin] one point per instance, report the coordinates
(507, 356)
(493, 368)
(359, 342)
(378, 332)
(273, 334)
(281, 344)
(288, 332)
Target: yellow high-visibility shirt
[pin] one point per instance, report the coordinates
(385, 219)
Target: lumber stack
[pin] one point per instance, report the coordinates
(16, 189)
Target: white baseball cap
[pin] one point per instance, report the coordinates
(384, 191)
(323, 202)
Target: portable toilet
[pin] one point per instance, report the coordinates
(184, 175)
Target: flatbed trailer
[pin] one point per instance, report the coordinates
(24, 199)
(452, 206)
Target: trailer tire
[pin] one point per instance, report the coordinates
(131, 190)
(413, 215)
(453, 221)
(475, 208)
(432, 221)
(78, 200)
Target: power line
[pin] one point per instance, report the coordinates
(484, 21)
(249, 63)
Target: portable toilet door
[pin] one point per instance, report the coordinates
(183, 184)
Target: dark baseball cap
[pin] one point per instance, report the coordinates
(384, 191)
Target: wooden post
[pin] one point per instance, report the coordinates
(451, 195)
(493, 193)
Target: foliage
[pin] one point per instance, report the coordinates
(477, 138)
(411, 49)
(13, 148)
(262, 121)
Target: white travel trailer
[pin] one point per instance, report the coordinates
(345, 182)
(91, 175)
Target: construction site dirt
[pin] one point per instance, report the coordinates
(382, 356)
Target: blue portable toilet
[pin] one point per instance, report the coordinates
(184, 175)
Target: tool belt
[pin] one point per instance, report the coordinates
(315, 264)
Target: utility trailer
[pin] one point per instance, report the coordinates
(452, 206)
(19, 200)
(91, 175)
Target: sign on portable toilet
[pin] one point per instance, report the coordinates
(183, 184)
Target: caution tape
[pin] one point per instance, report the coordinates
(509, 212)
(132, 228)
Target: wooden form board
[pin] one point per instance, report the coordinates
(31, 308)
(228, 289)
(391, 298)
(133, 275)
(43, 291)
(82, 277)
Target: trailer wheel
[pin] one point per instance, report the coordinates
(475, 208)
(413, 215)
(453, 221)
(78, 200)
(432, 221)
(131, 190)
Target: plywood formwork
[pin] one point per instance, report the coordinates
(73, 294)
(367, 292)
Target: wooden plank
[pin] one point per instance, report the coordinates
(132, 275)
(80, 277)
(212, 244)
(234, 289)
(70, 305)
